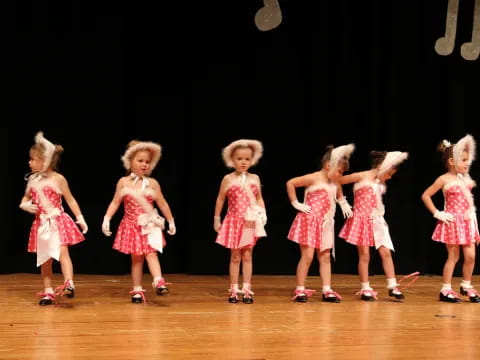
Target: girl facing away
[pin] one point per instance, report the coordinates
(457, 225)
(246, 217)
(140, 233)
(367, 227)
(313, 226)
(53, 231)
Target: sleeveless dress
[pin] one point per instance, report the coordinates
(458, 202)
(367, 226)
(130, 239)
(316, 229)
(46, 195)
(233, 224)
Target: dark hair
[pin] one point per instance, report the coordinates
(38, 147)
(343, 163)
(328, 154)
(377, 157)
(447, 153)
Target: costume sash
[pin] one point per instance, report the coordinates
(151, 222)
(48, 237)
(253, 226)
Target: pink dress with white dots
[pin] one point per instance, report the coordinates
(367, 226)
(232, 226)
(315, 229)
(67, 229)
(458, 202)
(129, 238)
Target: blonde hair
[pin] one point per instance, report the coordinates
(40, 149)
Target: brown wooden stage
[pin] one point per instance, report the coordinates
(195, 321)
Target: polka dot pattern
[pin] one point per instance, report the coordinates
(68, 230)
(306, 229)
(232, 226)
(358, 229)
(129, 238)
(460, 231)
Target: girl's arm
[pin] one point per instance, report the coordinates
(161, 202)
(116, 201)
(300, 181)
(164, 208)
(26, 204)
(112, 208)
(260, 200)
(351, 178)
(222, 193)
(67, 195)
(429, 192)
(72, 203)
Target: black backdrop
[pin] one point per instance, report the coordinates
(194, 77)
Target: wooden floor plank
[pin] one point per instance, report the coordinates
(195, 321)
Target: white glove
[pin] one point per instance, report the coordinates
(81, 222)
(345, 206)
(106, 226)
(216, 223)
(29, 207)
(301, 207)
(444, 216)
(171, 227)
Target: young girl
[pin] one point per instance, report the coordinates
(246, 216)
(53, 230)
(457, 223)
(313, 227)
(367, 226)
(140, 231)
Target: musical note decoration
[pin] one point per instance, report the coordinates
(269, 16)
(445, 45)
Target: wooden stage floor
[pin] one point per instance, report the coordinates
(195, 321)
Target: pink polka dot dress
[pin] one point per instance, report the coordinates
(129, 238)
(232, 226)
(458, 202)
(68, 231)
(358, 229)
(367, 226)
(311, 229)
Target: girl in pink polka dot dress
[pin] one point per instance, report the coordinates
(246, 217)
(140, 231)
(367, 227)
(313, 226)
(457, 224)
(53, 230)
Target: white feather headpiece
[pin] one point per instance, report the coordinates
(338, 153)
(466, 144)
(154, 148)
(49, 150)
(255, 145)
(392, 159)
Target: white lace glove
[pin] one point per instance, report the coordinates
(29, 207)
(301, 207)
(216, 223)
(106, 226)
(81, 222)
(444, 216)
(171, 227)
(345, 206)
